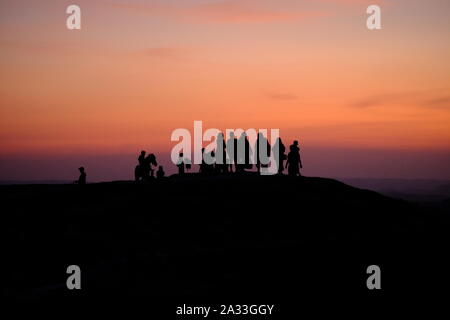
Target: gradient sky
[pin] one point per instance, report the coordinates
(363, 103)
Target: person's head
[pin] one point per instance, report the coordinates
(81, 169)
(143, 152)
(295, 143)
(181, 154)
(160, 168)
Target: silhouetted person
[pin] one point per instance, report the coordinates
(141, 158)
(263, 156)
(146, 169)
(244, 153)
(188, 165)
(211, 167)
(294, 146)
(139, 169)
(232, 151)
(221, 154)
(203, 169)
(279, 160)
(294, 162)
(151, 162)
(207, 165)
(180, 164)
(206, 168)
(160, 173)
(82, 179)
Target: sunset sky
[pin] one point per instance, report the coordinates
(362, 103)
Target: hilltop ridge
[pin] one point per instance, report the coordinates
(215, 236)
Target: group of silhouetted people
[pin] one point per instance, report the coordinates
(145, 170)
(239, 154)
(240, 161)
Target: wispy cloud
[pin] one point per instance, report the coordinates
(225, 11)
(39, 47)
(282, 96)
(431, 98)
(381, 99)
(166, 52)
(443, 101)
(248, 11)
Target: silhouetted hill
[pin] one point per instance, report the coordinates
(416, 190)
(14, 182)
(229, 236)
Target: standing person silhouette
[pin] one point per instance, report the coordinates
(206, 167)
(211, 167)
(221, 154)
(279, 154)
(262, 152)
(294, 162)
(248, 153)
(141, 159)
(180, 164)
(82, 179)
(203, 169)
(140, 168)
(244, 153)
(232, 151)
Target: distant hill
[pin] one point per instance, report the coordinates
(418, 190)
(249, 236)
(15, 182)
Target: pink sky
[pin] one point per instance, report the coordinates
(139, 69)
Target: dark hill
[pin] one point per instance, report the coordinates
(232, 236)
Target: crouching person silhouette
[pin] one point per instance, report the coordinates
(150, 162)
(160, 173)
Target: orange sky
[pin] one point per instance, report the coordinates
(139, 69)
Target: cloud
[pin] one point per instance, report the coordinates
(351, 2)
(381, 99)
(443, 101)
(235, 11)
(225, 11)
(430, 98)
(45, 48)
(282, 96)
(165, 52)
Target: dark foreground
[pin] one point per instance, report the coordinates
(247, 239)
